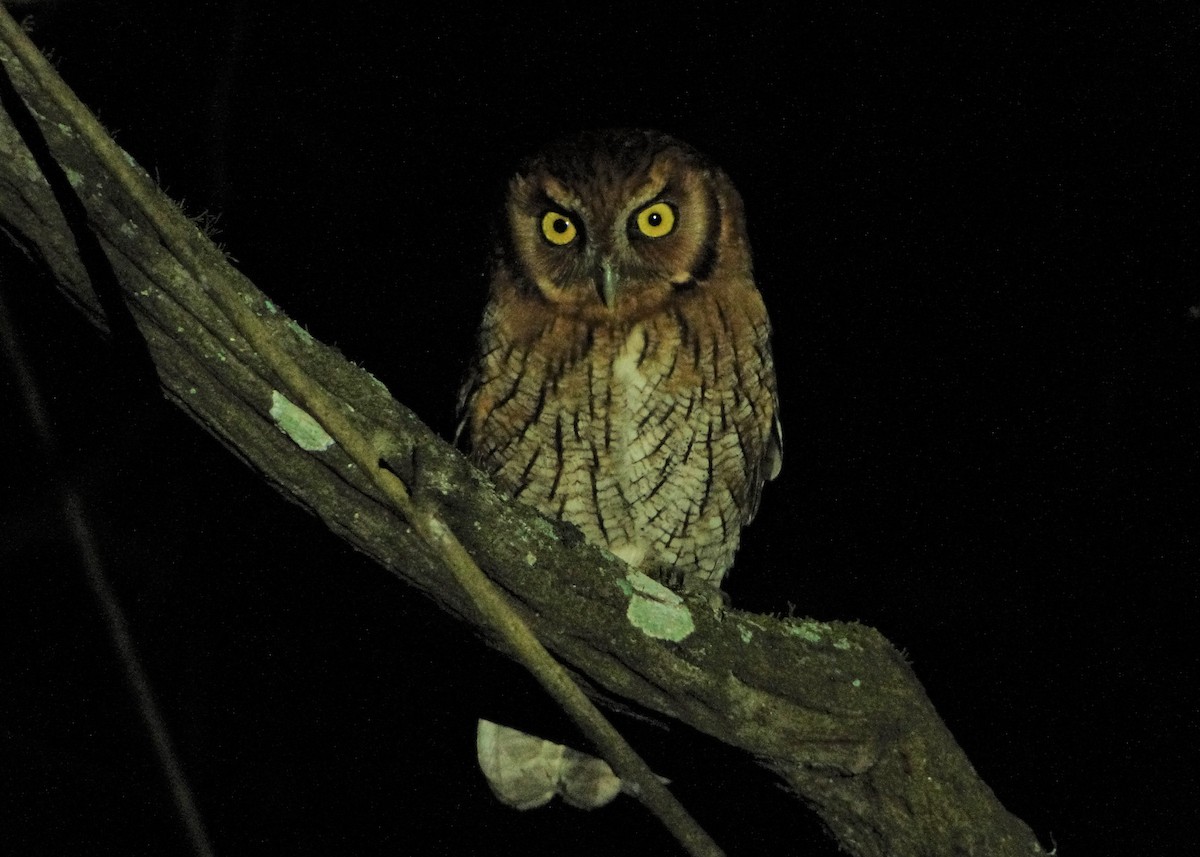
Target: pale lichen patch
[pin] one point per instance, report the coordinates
(297, 424)
(656, 611)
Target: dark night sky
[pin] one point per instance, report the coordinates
(977, 238)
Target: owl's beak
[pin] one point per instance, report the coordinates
(608, 284)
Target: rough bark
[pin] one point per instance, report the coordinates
(832, 707)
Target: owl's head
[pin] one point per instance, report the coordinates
(619, 222)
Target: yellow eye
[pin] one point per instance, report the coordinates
(655, 221)
(558, 228)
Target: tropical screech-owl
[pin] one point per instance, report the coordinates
(624, 379)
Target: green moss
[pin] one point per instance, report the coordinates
(378, 383)
(545, 528)
(304, 335)
(808, 630)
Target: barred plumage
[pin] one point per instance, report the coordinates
(624, 381)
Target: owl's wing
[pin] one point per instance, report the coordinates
(768, 468)
(773, 456)
(466, 392)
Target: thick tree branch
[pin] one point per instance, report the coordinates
(333, 425)
(832, 707)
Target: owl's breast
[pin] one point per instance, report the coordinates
(643, 435)
(680, 438)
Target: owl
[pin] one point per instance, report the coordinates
(624, 380)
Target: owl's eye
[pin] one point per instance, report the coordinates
(558, 229)
(655, 221)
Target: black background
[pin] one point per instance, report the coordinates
(977, 239)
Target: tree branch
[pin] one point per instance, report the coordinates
(831, 707)
(333, 426)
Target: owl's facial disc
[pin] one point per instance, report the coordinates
(613, 242)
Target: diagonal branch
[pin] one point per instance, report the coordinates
(831, 707)
(333, 426)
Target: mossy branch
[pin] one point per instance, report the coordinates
(177, 233)
(831, 707)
